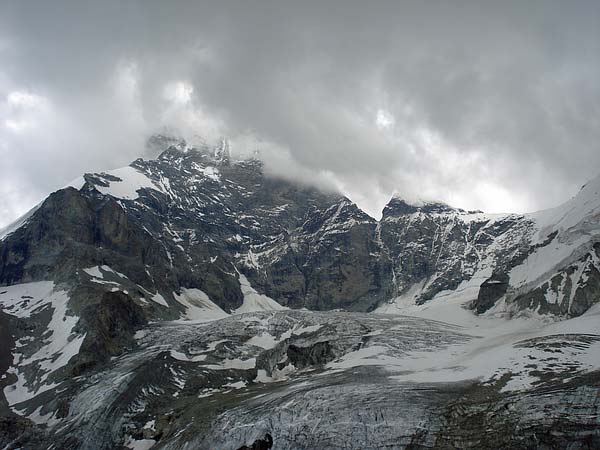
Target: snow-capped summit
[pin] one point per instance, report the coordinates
(399, 206)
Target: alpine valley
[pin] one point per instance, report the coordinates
(193, 302)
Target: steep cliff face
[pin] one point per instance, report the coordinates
(545, 262)
(437, 247)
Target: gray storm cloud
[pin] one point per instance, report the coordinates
(488, 105)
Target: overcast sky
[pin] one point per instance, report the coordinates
(487, 105)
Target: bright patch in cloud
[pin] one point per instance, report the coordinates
(25, 99)
(499, 199)
(23, 110)
(179, 92)
(384, 119)
(16, 125)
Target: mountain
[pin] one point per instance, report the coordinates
(190, 301)
(545, 262)
(194, 220)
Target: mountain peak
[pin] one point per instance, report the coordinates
(174, 149)
(160, 142)
(400, 206)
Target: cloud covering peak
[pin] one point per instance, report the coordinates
(484, 105)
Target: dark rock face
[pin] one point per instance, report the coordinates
(316, 355)
(585, 298)
(72, 230)
(491, 291)
(109, 327)
(29, 254)
(260, 444)
(7, 325)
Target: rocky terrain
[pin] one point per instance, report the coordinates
(190, 301)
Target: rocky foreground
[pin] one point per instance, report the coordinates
(304, 380)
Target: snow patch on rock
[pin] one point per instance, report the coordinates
(131, 182)
(253, 301)
(199, 306)
(34, 360)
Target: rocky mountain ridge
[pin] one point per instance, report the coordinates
(195, 219)
(188, 300)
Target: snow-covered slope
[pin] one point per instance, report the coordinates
(52, 341)
(253, 301)
(579, 213)
(545, 261)
(12, 227)
(563, 263)
(198, 306)
(125, 183)
(320, 379)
